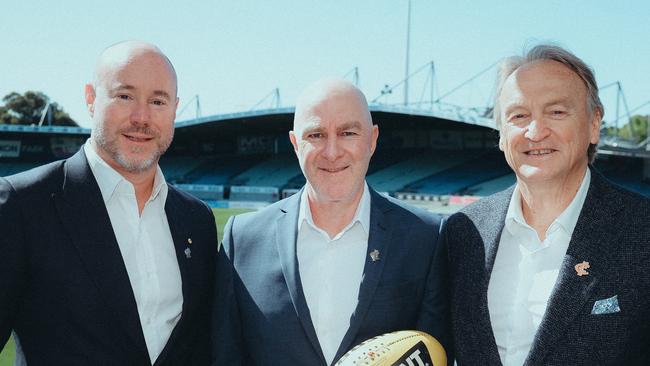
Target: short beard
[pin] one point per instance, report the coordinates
(130, 165)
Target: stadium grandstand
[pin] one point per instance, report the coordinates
(439, 159)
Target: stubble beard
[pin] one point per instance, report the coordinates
(132, 165)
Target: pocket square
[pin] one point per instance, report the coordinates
(606, 306)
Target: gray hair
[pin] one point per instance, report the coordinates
(551, 53)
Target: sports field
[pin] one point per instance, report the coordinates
(221, 216)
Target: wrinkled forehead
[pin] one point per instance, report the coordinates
(542, 80)
(331, 108)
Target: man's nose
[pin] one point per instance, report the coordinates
(332, 150)
(537, 130)
(140, 113)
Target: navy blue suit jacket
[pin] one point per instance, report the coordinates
(612, 234)
(64, 288)
(261, 315)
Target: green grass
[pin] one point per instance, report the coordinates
(8, 354)
(221, 216)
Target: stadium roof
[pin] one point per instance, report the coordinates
(451, 114)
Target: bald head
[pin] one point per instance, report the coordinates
(336, 95)
(124, 53)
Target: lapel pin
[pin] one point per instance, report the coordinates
(188, 253)
(581, 268)
(189, 240)
(374, 255)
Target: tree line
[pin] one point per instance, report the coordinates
(636, 130)
(27, 109)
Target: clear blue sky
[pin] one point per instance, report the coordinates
(233, 53)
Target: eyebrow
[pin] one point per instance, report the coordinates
(162, 93)
(513, 107)
(158, 93)
(345, 126)
(563, 101)
(312, 129)
(350, 125)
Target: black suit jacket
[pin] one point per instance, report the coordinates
(64, 288)
(262, 317)
(612, 234)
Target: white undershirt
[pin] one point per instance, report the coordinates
(524, 274)
(331, 270)
(147, 249)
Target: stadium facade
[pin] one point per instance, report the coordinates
(238, 158)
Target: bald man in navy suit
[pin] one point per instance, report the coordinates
(303, 280)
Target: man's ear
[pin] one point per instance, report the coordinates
(90, 98)
(294, 142)
(594, 134)
(375, 135)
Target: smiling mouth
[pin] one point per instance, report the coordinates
(540, 152)
(334, 170)
(136, 138)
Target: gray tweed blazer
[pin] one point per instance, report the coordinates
(612, 234)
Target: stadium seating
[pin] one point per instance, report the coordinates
(219, 170)
(492, 186)
(276, 171)
(459, 178)
(176, 167)
(395, 177)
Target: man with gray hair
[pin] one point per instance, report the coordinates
(554, 270)
(103, 262)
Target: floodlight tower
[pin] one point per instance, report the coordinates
(408, 51)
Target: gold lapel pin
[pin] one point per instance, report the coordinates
(374, 255)
(189, 240)
(581, 268)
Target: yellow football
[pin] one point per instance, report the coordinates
(401, 348)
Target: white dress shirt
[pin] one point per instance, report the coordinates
(331, 270)
(524, 274)
(147, 249)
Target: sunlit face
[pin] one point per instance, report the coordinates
(334, 140)
(546, 124)
(133, 105)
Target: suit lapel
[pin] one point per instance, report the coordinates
(490, 228)
(379, 239)
(589, 242)
(181, 233)
(84, 217)
(491, 233)
(286, 231)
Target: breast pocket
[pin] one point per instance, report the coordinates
(610, 335)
